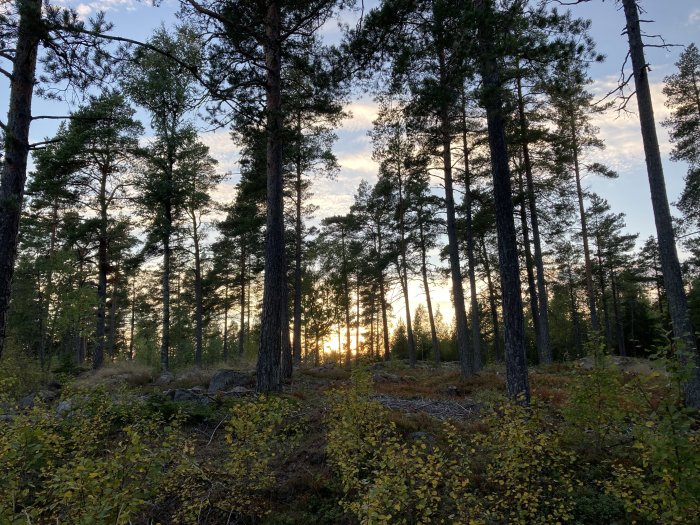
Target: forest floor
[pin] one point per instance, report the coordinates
(303, 486)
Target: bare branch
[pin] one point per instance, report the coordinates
(44, 143)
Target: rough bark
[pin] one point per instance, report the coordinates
(462, 329)
(590, 290)
(296, 345)
(113, 316)
(198, 300)
(469, 234)
(242, 302)
(529, 264)
(492, 304)
(517, 384)
(619, 331)
(14, 169)
(544, 350)
(271, 334)
(165, 286)
(426, 286)
(403, 272)
(670, 266)
(382, 298)
(225, 348)
(102, 269)
(346, 299)
(133, 321)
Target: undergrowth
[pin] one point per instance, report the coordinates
(597, 445)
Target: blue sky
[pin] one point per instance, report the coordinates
(677, 20)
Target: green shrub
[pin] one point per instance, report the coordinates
(385, 479)
(97, 463)
(528, 476)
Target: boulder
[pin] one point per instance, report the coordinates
(165, 378)
(64, 407)
(225, 379)
(186, 394)
(237, 391)
(48, 395)
(26, 402)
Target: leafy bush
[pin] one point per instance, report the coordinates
(259, 433)
(385, 479)
(662, 485)
(98, 463)
(529, 475)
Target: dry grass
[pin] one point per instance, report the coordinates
(192, 376)
(123, 372)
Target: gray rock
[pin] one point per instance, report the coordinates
(9, 418)
(6, 408)
(224, 379)
(165, 378)
(187, 394)
(64, 407)
(26, 402)
(238, 391)
(48, 395)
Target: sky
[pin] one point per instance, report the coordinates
(677, 20)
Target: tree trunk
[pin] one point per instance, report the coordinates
(517, 384)
(49, 285)
(165, 336)
(462, 329)
(357, 316)
(113, 317)
(544, 350)
(346, 301)
(590, 291)
(242, 302)
(273, 312)
(198, 306)
(286, 366)
(469, 234)
(382, 298)
(492, 304)
(102, 269)
(529, 265)
(670, 266)
(603, 298)
(574, 313)
(426, 286)
(14, 169)
(619, 332)
(296, 346)
(403, 273)
(133, 319)
(225, 349)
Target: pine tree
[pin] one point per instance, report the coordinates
(678, 305)
(682, 90)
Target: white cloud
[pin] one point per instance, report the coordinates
(221, 147)
(363, 112)
(621, 132)
(83, 11)
(694, 17)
